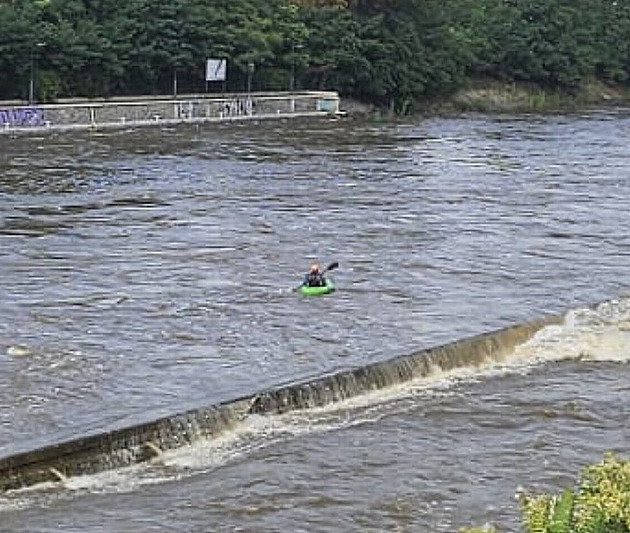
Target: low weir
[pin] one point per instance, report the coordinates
(141, 443)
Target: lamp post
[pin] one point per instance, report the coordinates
(250, 73)
(31, 84)
(294, 47)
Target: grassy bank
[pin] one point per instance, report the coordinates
(490, 96)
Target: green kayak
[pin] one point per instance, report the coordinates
(316, 291)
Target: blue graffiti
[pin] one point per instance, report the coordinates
(21, 116)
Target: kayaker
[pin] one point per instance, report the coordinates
(314, 278)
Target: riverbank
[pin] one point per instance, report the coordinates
(501, 97)
(490, 96)
(81, 114)
(485, 96)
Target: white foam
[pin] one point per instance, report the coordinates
(19, 350)
(218, 450)
(596, 334)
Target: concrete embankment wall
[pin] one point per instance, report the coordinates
(16, 117)
(141, 443)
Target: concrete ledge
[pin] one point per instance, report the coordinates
(160, 111)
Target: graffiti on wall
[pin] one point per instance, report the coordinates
(186, 110)
(21, 116)
(238, 107)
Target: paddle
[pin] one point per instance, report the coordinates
(332, 266)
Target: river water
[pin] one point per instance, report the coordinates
(151, 271)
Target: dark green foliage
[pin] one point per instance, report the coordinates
(545, 42)
(394, 53)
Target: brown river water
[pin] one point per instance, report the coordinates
(148, 272)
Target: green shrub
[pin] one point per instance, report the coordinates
(599, 504)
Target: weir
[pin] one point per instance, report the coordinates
(141, 443)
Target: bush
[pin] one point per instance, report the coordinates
(599, 504)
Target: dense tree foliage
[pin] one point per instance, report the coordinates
(390, 52)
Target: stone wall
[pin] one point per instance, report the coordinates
(95, 114)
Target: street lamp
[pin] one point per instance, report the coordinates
(250, 73)
(294, 47)
(31, 84)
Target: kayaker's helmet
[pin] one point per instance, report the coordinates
(314, 268)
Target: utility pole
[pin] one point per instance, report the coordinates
(250, 72)
(31, 83)
(294, 47)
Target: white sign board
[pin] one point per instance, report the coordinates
(216, 69)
